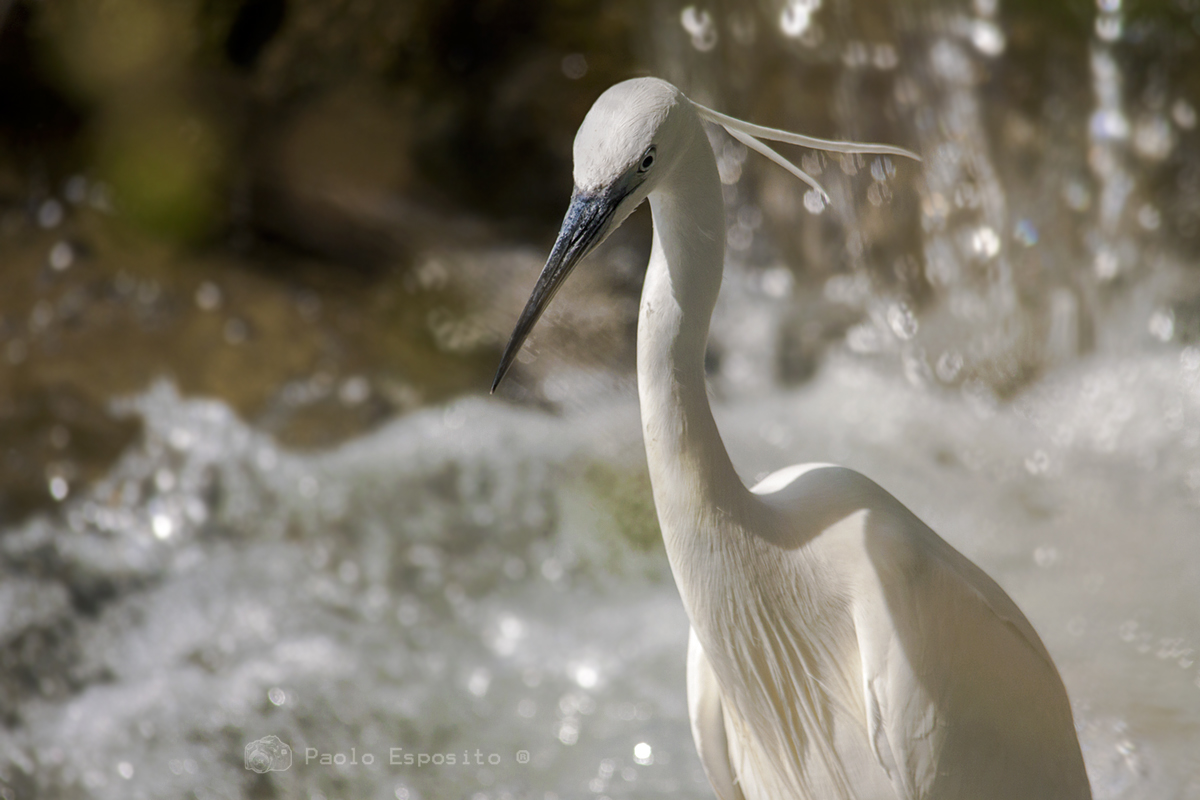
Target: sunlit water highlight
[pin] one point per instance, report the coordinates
(479, 578)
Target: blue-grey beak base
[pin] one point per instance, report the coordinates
(583, 227)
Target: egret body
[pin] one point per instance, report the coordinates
(839, 648)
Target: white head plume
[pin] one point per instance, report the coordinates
(751, 135)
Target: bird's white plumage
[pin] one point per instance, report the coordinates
(839, 647)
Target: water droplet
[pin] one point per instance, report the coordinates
(354, 390)
(568, 731)
(1153, 138)
(1106, 264)
(1149, 217)
(643, 753)
(902, 321)
(949, 365)
(1162, 324)
(586, 676)
(1025, 233)
(985, 242)
(885, 57)
(814, 203)
(208, 296)
(1045, 556)
(277, 696)
(59, 488)
(574, 66)
(1108, 124)
(795, 18)
(125, 770)
(50, 214)
(162, 525)
(62, 255)
(699, 24)
(1077, 196)
(1184, 114)
(479, 682)
(75, 189)
(1109, 27)
(987, 38)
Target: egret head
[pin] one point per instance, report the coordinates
(622, 149)
(628, 143)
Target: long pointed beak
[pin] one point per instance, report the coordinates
(584, 227)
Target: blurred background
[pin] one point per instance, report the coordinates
(258, 259)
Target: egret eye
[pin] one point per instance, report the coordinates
(647, 160)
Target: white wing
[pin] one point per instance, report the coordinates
(708, 722)
(960, 697)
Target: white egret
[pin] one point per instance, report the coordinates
(839, 648)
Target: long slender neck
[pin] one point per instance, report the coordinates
(692, 476)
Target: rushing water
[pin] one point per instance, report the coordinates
(472, 600)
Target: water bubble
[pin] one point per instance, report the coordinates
(814, 203)
(62, 255)
(41, 316)
(1026, 233)
(987, 38)
(162, 526)
(1045, 556)
(643, 753)
(1162, 324)
(479, 682)
(1149, 217)
(1153, 138)
(796, 17)
(1108, 124)
(568, 731)
(208, 296)
(985, 242)
(1077, 196)
(1106, 264)
(949, 365)
(1184, 114)
(354, 390)
(902, 321)
(885, 57)
(777, 282)
(50, 214)
(75, 189)
(574, 66)
(586, 676)
(1109, 27)
(699, 24)
(58, 487)
(277, 696)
